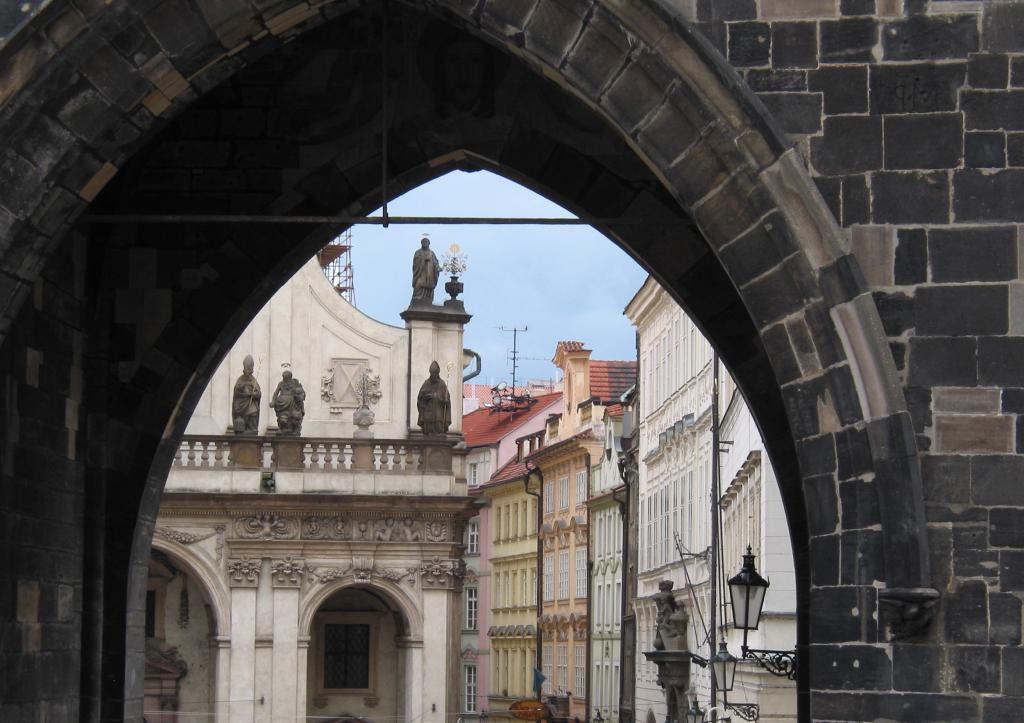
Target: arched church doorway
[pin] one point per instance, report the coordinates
(617, 111)
(358, 660)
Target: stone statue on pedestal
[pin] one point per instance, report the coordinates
(671, 619)
(434, 404)
(245, 401)
(289, 404)
(425, 271)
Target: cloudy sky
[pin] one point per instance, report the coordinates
(566, 282)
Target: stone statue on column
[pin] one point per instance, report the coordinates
(434, 404)
(245, 400)
(425, 272)
(671, 619)
(289, 404)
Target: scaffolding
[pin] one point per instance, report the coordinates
(336, 261)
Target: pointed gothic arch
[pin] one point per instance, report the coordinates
(733, 227)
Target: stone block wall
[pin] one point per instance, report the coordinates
(910, 117)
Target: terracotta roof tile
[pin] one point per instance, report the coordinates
(610, 379)
(570, 346)
(613, 410)
(510, 471)
(486, 426)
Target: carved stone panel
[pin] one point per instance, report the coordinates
(287, 572)
(443, 574)
(266, 526)
(326, 528)
(244, 571)
(340, 384)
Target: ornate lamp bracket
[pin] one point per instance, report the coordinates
(781, 663)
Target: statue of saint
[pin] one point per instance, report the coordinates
(289, 403)
(425, 270)
(434, 404)
(671, 619)
(245, 401)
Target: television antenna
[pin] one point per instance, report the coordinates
(504, 398)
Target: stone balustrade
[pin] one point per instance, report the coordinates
(308, 454)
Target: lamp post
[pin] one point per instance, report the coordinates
(747, 589)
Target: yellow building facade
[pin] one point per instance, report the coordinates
(511, 523)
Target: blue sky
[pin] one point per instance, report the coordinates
(562, 282)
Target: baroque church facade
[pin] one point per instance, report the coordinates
(295, 564)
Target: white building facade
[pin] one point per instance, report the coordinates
(321, 575)
(674, 500)
(607, 494)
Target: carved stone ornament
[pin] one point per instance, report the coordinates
(907, 612)
(471, 576)
(244, 571)
(183, 538)
(287, 571)
(328, 574)
(362, 570)
(266, 526)
(438, 573)
(436, 531)
(325, 528)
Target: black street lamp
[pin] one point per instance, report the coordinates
(694, 714)
(747, 590)
(724, 667)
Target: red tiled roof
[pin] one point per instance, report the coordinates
(513, 470)
(613, 410)
(570, 346)
(610, 379)
(480, 392)
(485, 426)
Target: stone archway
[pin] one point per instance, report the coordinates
(393, 643)
(187, 660)
(733, 227)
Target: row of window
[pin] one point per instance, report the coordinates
(605, 689)
(607, 526)
(559, 683)
(680, 505)
(563, 493)
(514, 520)
(607, 605)
(563, 575)
(678, 354)
(513, 671)
(514, 588)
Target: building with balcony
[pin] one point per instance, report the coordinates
(673, 538)
(318, 574)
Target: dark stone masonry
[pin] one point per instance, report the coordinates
(834, 189)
